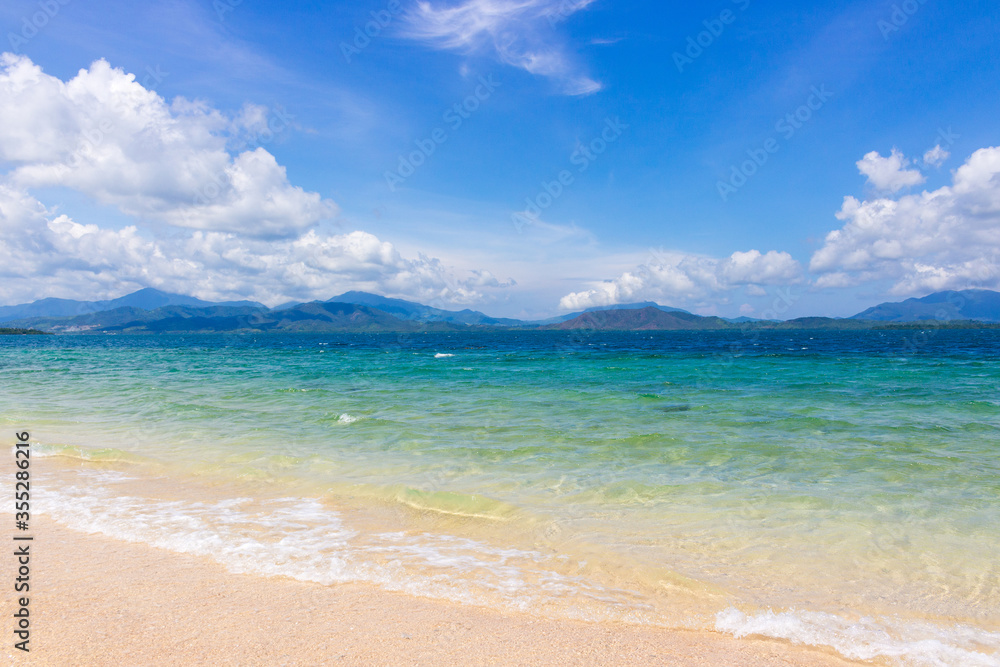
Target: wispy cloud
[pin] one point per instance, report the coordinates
(521, 33)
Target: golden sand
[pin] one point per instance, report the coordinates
(100, 601)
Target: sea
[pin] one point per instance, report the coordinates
(838, 489)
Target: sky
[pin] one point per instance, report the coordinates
(524, 158)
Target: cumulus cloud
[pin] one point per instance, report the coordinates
(754, 268)
(213, 215)
(945, 239)
(936, 156)
(521, 33)
(889, 174)
(104, 134)
(674, 276)
(88, 261)
(483, 278)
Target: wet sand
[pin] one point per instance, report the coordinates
(100, 601)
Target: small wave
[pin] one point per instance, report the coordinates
(456, 504)
(303, 539)
(103, 455)
(908, 642)
(441, 355)
(347, 419)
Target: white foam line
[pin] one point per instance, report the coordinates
(907, 642)
(303, 539)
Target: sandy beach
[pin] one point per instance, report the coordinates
(499, 332)
(99, 601)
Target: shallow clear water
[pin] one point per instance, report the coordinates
(834, 488)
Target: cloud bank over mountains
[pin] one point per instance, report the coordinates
(208, 220)
(669, 276)
(924, 242)
(210, 211)
(948, 238)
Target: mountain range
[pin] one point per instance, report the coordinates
(979, 304)
(648, 318)
(413, 311)
(621, 306)
(150, 310)
(144, 299)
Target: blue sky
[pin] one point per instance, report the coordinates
(705, 152)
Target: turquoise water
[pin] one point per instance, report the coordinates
(838, 489)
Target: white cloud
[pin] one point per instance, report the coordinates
(945, 239)
(936, 156)
(483, 278)
(520, 32)
(754, 268)
(206, 222)
(545, 233)
(103, 134)
(43, 254)
(889, 174)
(672, 277)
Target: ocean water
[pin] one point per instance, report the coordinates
(840, 489)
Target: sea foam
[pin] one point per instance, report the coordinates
(306, 540)
(907, 642)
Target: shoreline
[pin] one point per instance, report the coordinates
(99, 601)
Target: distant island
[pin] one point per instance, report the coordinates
(4, 331)
(152, 311)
